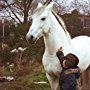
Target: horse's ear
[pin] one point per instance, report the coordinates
(50, 6)
(39, 5)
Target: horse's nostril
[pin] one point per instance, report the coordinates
(31, 36)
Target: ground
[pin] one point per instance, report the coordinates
(25, 78)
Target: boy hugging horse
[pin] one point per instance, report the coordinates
(70, 71)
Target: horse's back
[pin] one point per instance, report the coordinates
(82, 46)
(81, 43)
(82, 39)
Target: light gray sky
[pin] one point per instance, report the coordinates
(66, 3)
(10, 1)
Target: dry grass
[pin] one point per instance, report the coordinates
(25, 78)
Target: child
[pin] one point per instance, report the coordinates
(70, 71)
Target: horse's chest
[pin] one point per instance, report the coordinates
(51, 64)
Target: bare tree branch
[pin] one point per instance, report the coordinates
(47, 2)
(11, 16)
(13, 11)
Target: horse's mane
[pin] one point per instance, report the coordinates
(61, 22)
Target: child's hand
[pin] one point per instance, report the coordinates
(60, 49)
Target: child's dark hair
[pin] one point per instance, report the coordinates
(71, 60)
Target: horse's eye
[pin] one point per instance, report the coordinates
(43, 19)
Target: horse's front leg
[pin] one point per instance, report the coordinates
(54, 82)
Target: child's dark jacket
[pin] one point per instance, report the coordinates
(67, 81)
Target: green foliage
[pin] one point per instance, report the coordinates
(35, 51)
(17, 38)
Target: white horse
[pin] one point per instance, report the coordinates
(46, 23)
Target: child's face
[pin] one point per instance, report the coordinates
(64, 65)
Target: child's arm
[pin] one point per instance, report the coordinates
(60, 54)
(77, 75)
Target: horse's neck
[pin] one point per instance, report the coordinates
(56, 38)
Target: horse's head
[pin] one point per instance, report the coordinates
(40, 22)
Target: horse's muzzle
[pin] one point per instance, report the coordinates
(30, 39)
